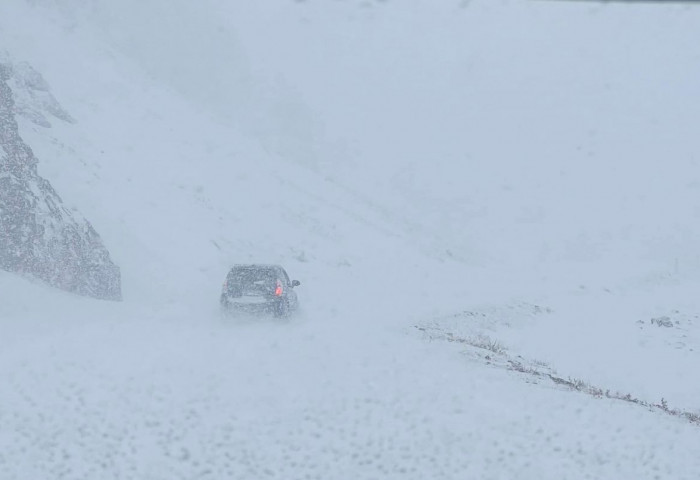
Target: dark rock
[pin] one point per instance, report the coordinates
(662, 321)
(38, 235)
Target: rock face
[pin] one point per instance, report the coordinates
(38, 235)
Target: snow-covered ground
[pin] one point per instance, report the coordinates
(522, 171)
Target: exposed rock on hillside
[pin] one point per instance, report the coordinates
(38, 235)
(32, 96)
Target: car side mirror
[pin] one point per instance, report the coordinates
(295, 283)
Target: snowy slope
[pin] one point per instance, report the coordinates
(408, 163)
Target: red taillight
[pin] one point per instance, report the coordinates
(278, 290)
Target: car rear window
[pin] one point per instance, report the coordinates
(252, 281)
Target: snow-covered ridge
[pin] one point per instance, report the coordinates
(32, 95)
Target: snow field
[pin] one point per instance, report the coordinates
(521, 153)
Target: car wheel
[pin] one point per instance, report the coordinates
(225, 307)
(282, 310)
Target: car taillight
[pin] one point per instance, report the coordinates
(278, 290)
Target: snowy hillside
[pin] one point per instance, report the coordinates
(469, 192)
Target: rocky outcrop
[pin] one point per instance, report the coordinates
(32, 95)
(38, 235)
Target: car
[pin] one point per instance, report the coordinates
(259, 290)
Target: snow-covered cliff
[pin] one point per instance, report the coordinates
(38, 235)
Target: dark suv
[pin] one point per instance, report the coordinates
(259, 289)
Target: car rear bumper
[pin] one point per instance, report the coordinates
(259, 308)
